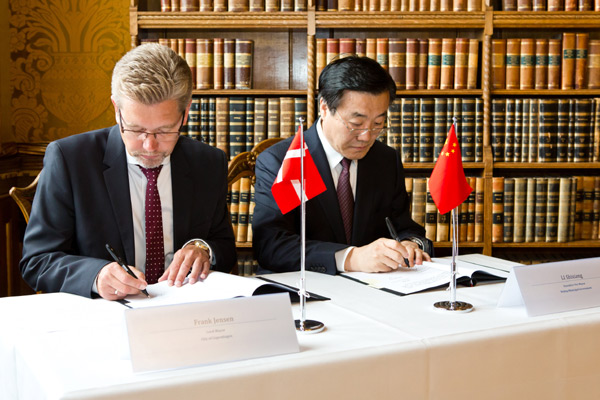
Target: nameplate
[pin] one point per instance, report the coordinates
(210, 332)
(553, 287)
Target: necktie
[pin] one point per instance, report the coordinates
(345, 198)
(155, 253)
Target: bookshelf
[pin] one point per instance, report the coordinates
(285, 65)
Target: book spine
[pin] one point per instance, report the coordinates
(509, 5)
(443, 227)
(527, 71)
(394, 6)
(344, 5)
(447, 69)
(461, 63)
(249, 123)
(244, 205)
(593, 65)
(564, 207)
(220, 5)
(260, 119)
(191, 58)
(498, 128)
(321, 57)
(218, 63)
(212, 121)
(513, 63)
(473, 64)
(422, 69)
(257, 5)
(578, 218)
(552, 209)
(541, 63)
(419, 200)
(554, 63)
(530, 211)
(479, 208)
(229, 64)
(361, 47)
(473, 5)
(471, 210)
(568, 61)
(497, 209)
(204, 119)
(498, 63)
(445, 5)
(596, 133)
(243, 63)
(427, 130)
(581, 59)
(234, 205)
(222, 124)
(524, 5)
(237, 126)
(596, 209)
(347, 47)
(286, 117)
(571, 130)
(525, 131)
(539, 5)
(430, 216)
(582, 138)
(272, 5)
(463, 221)
(193, 121)
(541, 205)
(584, 5)
(382, 48)
(570, 5)
(205, 5)
(520, 203)
(509, 131)
(251, 207)
(434, 5)
(394, 137)
(467, 143)
(412, 59)
(408, 109)
(459, 5)
(332, 49)
(238, 5)
(478, 130)
(300, 111)
(440, 132)
(273, 117)
(518, 142)
(287, 5)
(204, 64)
(548, 130)
(434, 63)
(371, 48)
(175, 5)
(397, 61)
(534, 107)
(562, 139)
(587, 207)
(509, 209)
(165, 5)
(299, 5)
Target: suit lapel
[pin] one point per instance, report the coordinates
(182, 183)
(116, 180)
(327, 200)
(366, 187)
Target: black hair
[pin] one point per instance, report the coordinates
(360, 74)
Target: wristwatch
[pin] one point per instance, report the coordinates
(416, 240)
(202, 245)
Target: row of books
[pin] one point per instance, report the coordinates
(550, 5)
(246, 265)
(236, 124)
(413, 63)
(321, 5)
(545, 209)
(545, 130)
(571, 62)
(437, 226)
(418, 128)
(241, 207)
(216, 63)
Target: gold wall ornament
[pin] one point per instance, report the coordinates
(62, 56)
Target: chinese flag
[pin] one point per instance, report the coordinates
(286, 188)
(447, 184)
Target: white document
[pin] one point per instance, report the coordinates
(216, 286)
(553, 287)
(210, 332)
(427, 276)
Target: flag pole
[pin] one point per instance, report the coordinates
(303, 325)
(453, 305)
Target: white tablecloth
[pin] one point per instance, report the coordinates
(376, 346)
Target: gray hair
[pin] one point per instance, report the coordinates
(150, 74)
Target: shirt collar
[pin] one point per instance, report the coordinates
(333, 157)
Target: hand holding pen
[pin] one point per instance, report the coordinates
(395, 236)
(122, 263)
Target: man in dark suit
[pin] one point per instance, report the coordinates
(354, 96)
(94, 189)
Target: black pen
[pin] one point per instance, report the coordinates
(120, 261)
(394, 234)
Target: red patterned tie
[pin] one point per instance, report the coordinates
(155, 252)
(345, 198)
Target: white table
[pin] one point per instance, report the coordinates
(376, 346)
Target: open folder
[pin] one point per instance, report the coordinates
(436, 274)
(216, 286)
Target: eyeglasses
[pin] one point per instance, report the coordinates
(143, 135)
(361, 131)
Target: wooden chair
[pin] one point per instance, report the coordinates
(244, 163)
(24, 197)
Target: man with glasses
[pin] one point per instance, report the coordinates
(157, 198)
(346, 225)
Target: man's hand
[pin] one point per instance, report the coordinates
(384, 255)
(190, 257)
(115, 283)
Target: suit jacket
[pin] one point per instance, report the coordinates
(82, 202)
(380, 193)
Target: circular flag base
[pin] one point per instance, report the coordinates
(309, 326)
(455, 306)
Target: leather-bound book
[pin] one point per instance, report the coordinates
(584, 5)
(419, 199)
(426, 130)
(422, 69)
(238, 5)
(539, 5)
(552, 209)
(497, 209)
(256, 5)
(509, 131)
(218, 63)
(548, 130)
(394, 5)
(193, 122)
(212, 121)
(244, 206)
(332, 5)
(191, 58)
(222, 124)
(459, 5)
(593, 71)
(497, 129)
(434, 63)
(397, 61)
(473, 64)
(189, 5)
(300, 111)
(299, 5)
(205, 119)
(287, 124)
(518, 142)
(498, 63)
(564, 209)
(175, 6)
(394, 136)
(562, 141)
(347, 47)
(473, 5)
(249, 123)
(583, 130)
(371, 48)
(165, 5)
(434, 5)
(382, 46)
(478, 130)
(287, 5)
(229, 64)
(407, 112)
(530, 211)
(446, 5)
(541, 64)
(234, 205)
(272, 5)
(237, 126)
(461, 63)
(273, 116)
(541, 208)
(513, 63)
(440, 131)
(554, 62)
(260, 119)
(412, 59)
(205, 66)
(525, 5)
(243, 63)
(361, 47)
(430, 216)
(321, 57)
(555, 5)
(570, 5)
(206, 5)
(467, 143)
(520, 204)
(333, 49)
(509, 210)
(567, 80)
(527, 72)
(220, 5)
(447, 68)
(581, 60)
(534, 139)
(509, 5)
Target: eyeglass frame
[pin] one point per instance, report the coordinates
(158, 136)
(362, 131)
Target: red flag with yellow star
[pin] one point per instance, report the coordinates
(448, 185)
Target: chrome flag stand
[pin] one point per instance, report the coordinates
(304, 325)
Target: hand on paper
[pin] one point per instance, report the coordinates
(384, 255)
(115, 283)
(190, 257)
